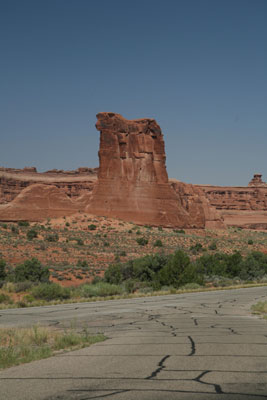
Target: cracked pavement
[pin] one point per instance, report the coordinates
(190, 346)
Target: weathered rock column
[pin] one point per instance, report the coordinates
(132, 180)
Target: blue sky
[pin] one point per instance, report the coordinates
(199, 67)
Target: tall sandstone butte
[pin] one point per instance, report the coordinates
(132, 179)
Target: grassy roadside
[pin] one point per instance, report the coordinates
(23, 345)
(260, 308)
(39, 303)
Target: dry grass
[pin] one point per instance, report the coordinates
(260, 308)
(171, 291)
(23, 345)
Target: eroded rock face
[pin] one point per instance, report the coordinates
(194, 201)
(73, 183)
(257, 181)
(132, 151)
(40, 201)
(239, 206)
(132, 181)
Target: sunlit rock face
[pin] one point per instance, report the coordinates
(132, 180)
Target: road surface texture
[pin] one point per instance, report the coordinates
(201, 346)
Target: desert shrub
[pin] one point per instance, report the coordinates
(253, 266)
(142, 241)
(100, 289)
(22, 286)
(130, 285)
(28, 298)
(52, 237)
(23, 223)
(5, 299)
(191, 285)
(82, 264)
(31, 270)
(4, 226)
(31, 234)
(113, 274)
(250, 241)
(9, 287)
(14, 229)
(42, 247)
(92, 227)
(179, 271)
(213, 246)
(123, 253)
(146, 268)
(158, 243)
(79, 242)
(232, 264)
(140, 269)
(196, 248)
(3, 273)
(97, 279)
(210, 264)
(50, 291)
(179, 231)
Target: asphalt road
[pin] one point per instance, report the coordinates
(201, 346)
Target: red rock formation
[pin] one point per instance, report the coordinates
(39, 201)
(73, 183)
(239, 206)
(257, 181)
(133, 185)
(194, 201)
(132, 181)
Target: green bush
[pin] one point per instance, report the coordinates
(211, 264)
(92, 227)
(253, 266)
(82, 264)
(23, 223)
(250, 241)
(50, 291)
(31, 234)
(213, 246)
(142, 241)
(179, 271)
(14, 229)
(3, 273)
(113, 274)
(31, 270)
(196, 248)
(179, 231)
(5, 299)
(52, 237)
(158, 243)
